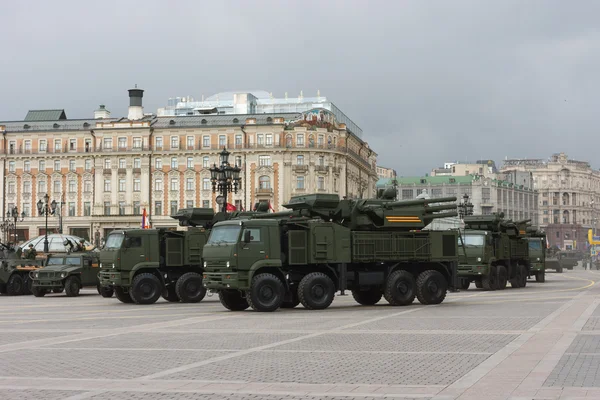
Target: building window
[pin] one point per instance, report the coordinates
(136, 208)
(300, 140)
(264, 182)
(87, 209)
(26, 187)
(205, 162)
(57, 145)
(173, 162)
(11, 188)
(321, 161)
(206, 203)
(174, 142)
(71, 209)
(56, 187)
(11, 166)
(88, 165)
(269, 139)
(264, 161)
(407, 194)
(137, 143)
(173, 207)
(57, 165)
(320, 183)
(238, 161)
(27, 209)
(158, 208)
(107, 208)
(28, 146)
(137, 185)
(300, 182)
(122, 185)
(238, 140)
(87, 186)
(189, 184)
(158, 163)
(158, 185)
(42, 187)
(159, 142)
(107, 185)
(137, 163)
(174, 185)
(72, 165)
(206, 141)
(300, 160)
(189, 204)
(122, 163)
(222, 141)
(107, 144)
(88, 145)
(190, 142)
(259, 140)
(190, 162)
(107, 163)
(320, 140)
(206, 184)
(72, 186)
(122, 143)
(42, 165)
(43, 146)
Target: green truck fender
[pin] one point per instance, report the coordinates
(144, 265)
(271, 264)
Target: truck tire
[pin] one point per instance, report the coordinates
(540, 277)
(367, 297)
(106, 291)
(524, 275)
(39, 291)
(14, 286)
(559, 270)
(189, 288)
(431, 287)
(400, 288)
(59, 290)
(122, 295)
(27, 284)
(490, 281)
(266, 293)
(233, 300)
(293, 302)
(170, 294)
(464, 284)
(478, 284)
(145, 288)
(316, 291)
(72, 286)
(502, 276)
(516, 281)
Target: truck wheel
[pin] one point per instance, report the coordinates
(559, 270)
(59, 290)
(367, 297)
(266, 293)
(400, 288)
(122, 295)
(316, 291)
(478, 284)
(72, 286)
(464, 284)
(515, 281)
(38, 291)
(27, 284)
(106, 291)
(170, 294)
(502, 276)
(490, 281)
(523, 275)
(145, 289)
(233, 300)
(14, 286)
(189, 288)
(293, 302)
(431, 287)
(540, 277)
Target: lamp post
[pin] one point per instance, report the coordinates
(46, 209)
(225, 179)
(14, 214)
(465, 208)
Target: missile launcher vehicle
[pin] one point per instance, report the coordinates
(14, 271)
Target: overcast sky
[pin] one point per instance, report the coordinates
(427, 81)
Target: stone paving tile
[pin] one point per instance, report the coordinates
(592, 324)
(299, 322)
(17, 337)
(402, 342)
(585, 344)
(339, 368)
(233, 396)
(112, 322)
(33, 394)
(456, 323)
(151, 340)
(470, 308)
(54, 363)
(576, 370)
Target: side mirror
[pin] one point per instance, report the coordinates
(127, 243)
(247, 236)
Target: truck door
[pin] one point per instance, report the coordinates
(89, 271)
(256, 249)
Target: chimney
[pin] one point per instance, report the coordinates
(101, 113)
(136, 111)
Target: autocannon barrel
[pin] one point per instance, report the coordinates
(416, 202)
(440, 208)
(194, 216)
(280, 214)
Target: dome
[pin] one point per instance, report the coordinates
(55, 243)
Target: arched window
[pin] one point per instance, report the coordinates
(311, 141)
(288, 141)
(264, 182)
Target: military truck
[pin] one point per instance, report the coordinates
(493, 251)
(14, 271)
(570, 258)
(536, 241)
(68, 273)
(144, 264)
(375, 248)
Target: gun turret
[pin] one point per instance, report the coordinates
(197, 217)
(494, 223)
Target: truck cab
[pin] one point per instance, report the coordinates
(537, 257)
(476, 252)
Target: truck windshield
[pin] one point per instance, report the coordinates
(473, 240)
(55, 261)
(224, 234)
(114, 241)
(535, 245)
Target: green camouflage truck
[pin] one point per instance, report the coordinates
(14, 271)
(493, 251)
(68, 273)
(144, 264)
(536, 241)
(375, 248)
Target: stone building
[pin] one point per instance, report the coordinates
(383, 172)
(569, 195)
(103, 172)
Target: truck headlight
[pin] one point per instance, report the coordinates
(100, 265)
(63, 274)
(478, 259)
(113, 265)
(36, 274)
(227, 264)
(538, 259)
(204, 264)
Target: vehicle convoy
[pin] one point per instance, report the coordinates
(14, 271)
(558, 260)
(536, 241)
(68, 273)
(493, 251)
(322, 244)
(143, 264)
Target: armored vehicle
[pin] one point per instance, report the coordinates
(570, 258)
(143, 264)
(14, 271)
(376, 248)
(493, 252)
(536, 241)
(68, 273)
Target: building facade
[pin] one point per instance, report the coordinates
(569, 195)
(104, 172)
(383, 172)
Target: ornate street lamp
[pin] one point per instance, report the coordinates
(46, 209)
(14, 215)
(225, 179)
(465, 208)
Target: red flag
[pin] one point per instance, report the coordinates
(230, 207)
(144, 219)
(271, 207)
